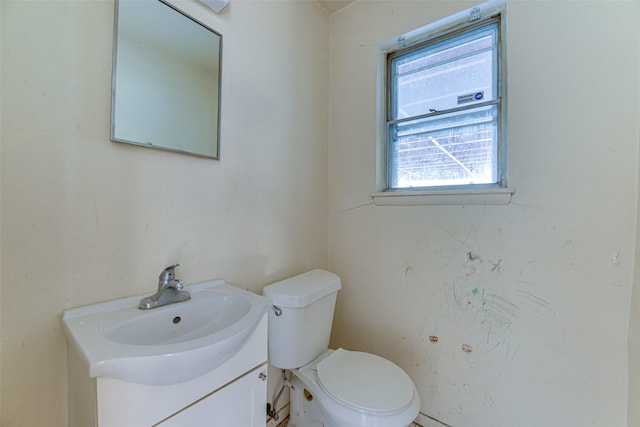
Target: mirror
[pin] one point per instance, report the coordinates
(166, 79)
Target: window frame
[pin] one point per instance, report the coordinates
(450, 27)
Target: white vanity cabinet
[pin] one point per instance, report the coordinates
(233, 394)
(241, 403)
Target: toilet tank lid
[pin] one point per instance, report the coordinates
(303, 289)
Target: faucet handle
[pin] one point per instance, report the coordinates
(168, 274)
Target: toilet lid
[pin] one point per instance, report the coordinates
(365, 381)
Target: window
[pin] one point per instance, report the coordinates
(444, 104)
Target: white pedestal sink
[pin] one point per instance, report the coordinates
(131, 367)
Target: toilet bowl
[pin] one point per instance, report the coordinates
(332, 388)
(352, 389)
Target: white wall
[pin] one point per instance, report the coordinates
(634, 320)
(544, 308)
(86, 220)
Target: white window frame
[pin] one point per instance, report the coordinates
(498, 193)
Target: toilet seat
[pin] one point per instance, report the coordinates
(365, 382)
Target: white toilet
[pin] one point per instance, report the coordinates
(332, 388)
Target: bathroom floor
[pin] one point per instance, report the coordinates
(286, 421)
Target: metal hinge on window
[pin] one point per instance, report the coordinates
(475, 14)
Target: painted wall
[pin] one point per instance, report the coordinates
(503, 315)
(634, 320)
(87, 220)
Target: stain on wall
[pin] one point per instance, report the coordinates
(483, 304)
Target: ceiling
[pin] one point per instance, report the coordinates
(334, 5)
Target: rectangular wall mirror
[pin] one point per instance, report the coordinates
(166, 79)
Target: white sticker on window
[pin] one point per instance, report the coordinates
(471, 97)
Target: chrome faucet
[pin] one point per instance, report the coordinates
(169, 290)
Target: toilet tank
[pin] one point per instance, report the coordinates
(300, 322)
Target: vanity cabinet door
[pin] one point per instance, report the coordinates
(240, 403)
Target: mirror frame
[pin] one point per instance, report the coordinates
(114, 86)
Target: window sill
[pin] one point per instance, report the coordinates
(487, 196)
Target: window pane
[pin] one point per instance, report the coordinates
(452, 149)
(445, 75)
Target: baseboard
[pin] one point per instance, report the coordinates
(424, 420)
(283, 414)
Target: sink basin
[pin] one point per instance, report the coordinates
(164, 345)
(208, 313)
